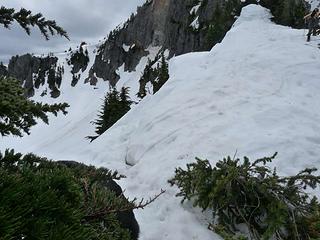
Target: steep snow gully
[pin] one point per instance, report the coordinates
(255, 93)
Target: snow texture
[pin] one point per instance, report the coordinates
(255, 93)
(194, 10)
(314, 3)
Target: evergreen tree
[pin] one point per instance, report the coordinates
(146, 77)
(157, 76)
(163, 74)
(287, 12)
(222, 20)
(114, 107)
(125, 100)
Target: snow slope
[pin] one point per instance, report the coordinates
(255, 93)
(314, 3)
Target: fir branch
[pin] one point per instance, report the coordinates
(17, 113)
(250, 193)
(26, 19)
(131, 205)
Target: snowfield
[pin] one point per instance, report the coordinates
(314, 3)
(256, 93)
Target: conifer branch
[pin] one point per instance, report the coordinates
(26, 19)
(254, 195)
(17, 113)
(131, 205)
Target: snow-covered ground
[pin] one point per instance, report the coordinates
(314, 3)
(255, 93)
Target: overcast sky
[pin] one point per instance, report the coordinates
(84, 20)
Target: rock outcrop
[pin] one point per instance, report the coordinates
(126, 218)
(3, 70)
(34, 72)
(177, 26)
(180, 26)
(126, 45)
(78, 61)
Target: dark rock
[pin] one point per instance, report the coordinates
(167, 23)
(126, 218)
(164, 23)
(158, 23)
(79, 60)
(3, 70)
(34, 72)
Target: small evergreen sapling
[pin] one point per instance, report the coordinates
(242, 192)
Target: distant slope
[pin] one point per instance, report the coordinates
(255, 93)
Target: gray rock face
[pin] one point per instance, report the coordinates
(176, 25)
(34, 72)
(3, 70)
(179, 26)
(164, 23)
(79, 61)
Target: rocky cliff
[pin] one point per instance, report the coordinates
(180, 26)
(3, 70)
(34, 72)
(79, 60)
(177, 26)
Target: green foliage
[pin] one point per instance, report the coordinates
(158, 75)
(163, 74)
(287, 12)
(225, 234)
(148, 75)
(26, 19)
(47, 200)
(17, 113)
(241, 192)
(221, 22)
(116, 105)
